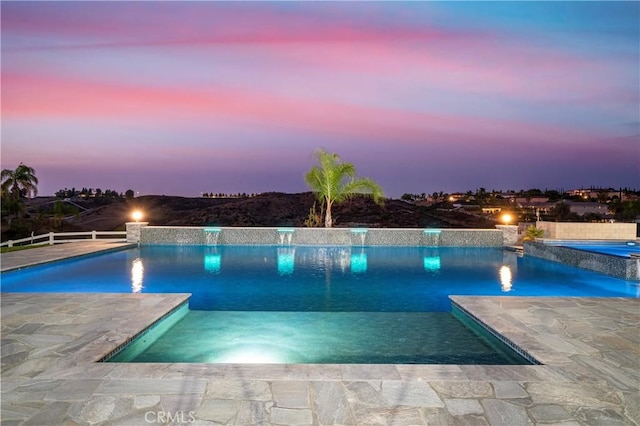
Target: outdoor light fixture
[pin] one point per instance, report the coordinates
(136, 215)
(506, 218)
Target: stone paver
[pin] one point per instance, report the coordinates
(590, 348)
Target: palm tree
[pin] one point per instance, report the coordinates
(19, 182)
(334, 181)
(531, 233)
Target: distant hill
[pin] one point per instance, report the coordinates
(268, 209)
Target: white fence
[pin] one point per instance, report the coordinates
(67, 237)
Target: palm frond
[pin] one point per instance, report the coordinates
(364, 186)
(334, 181)
(18, 181)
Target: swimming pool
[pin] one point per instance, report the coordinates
(319, 304)
(273, 278)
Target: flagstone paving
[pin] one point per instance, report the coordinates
(589, 348)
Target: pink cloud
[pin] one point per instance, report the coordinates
(48, 96)
(200, 23)
(466, 65)
(458, 60)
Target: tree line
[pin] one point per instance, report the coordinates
(225, 195)
(93, 193)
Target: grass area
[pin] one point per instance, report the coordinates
(17, 248)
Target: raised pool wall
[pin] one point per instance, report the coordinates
(588, 231)
(170, 235)
(616, 266)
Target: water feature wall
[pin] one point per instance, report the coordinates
(172, 235)
(616, 266)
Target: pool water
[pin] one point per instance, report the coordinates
(620, 249)
(322, 337)
(319, 304)
(317, 279)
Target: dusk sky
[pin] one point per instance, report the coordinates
(180, 98)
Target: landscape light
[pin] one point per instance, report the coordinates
(506, 218)
(136, 215)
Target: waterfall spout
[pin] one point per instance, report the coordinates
(431, 237)
(360, 232)
(285, 235)
(211, 236)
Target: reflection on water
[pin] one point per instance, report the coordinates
(431, 263)
(324, 258)
(212, 262)
(137, 275)
(358, 263)
(505, 278)
(286, 260)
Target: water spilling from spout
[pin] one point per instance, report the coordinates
(211, 236)
(360, 232)
(285, 235)
(431, 237)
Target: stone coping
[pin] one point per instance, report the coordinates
(45, 254)
(50, 342)
(589, 347)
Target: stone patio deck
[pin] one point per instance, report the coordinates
(590, 348)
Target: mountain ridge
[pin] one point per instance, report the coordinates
(267, 209)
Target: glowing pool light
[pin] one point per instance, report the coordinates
(250, 354)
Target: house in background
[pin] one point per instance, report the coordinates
(588, 208)
(598, 194)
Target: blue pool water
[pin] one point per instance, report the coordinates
(617, 249)
(321, 338)
(324, 279)
(319, 304)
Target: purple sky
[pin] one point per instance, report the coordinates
(181, 98)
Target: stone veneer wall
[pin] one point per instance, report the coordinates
(134, 231)
(169, 235)
(172, 235)
(588, 231)
(619, 267)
